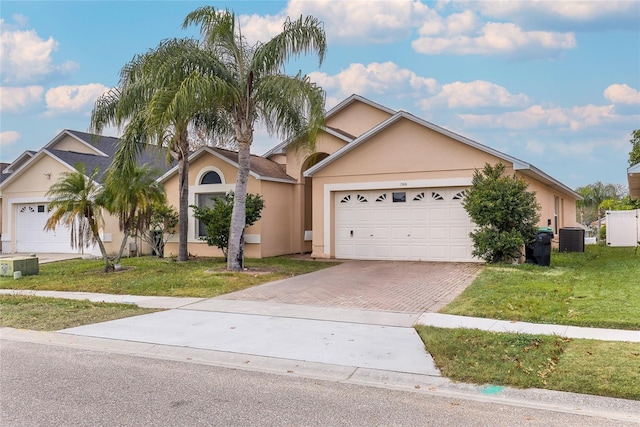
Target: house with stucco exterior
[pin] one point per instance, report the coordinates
(381, 184)
(25, 182)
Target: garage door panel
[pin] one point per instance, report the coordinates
(438, 252)
(382, 232)
(458, 215)
(399, 252)
(438, 233)
(400, 233)
(418, 214)
(460, 252)
(459, 233)
(381, 214)
(362, 250)
(438, 214)
(418, 233)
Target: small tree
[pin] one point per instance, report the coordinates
(504, 211)
(217, 220)
(634, 155)
(162, 227)
(76, 201)
(130, 194)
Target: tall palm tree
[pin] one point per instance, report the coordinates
(131, 196)
(163, 95)
(76, 202)
(253, 87)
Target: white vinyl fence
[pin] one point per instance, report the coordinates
(623, 228)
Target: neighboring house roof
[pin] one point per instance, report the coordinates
(261, 168)
(633, 175)
(518, 165)
(104, 148)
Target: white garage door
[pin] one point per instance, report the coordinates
(427, 224)
(31, 236)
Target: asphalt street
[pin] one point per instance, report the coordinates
(50, 385)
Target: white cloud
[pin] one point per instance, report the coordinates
(17, 99)
(622, 94)
(574, 118)
(75, 98)
(8, 137)
(377, 78)
(564, 13)
(475, 94)
(25, 57)
(496, 39)
(346, 21)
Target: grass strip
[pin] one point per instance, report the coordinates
(603, 368)
(598, 288)
(52, 314)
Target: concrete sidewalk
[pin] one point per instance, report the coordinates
(338, 314)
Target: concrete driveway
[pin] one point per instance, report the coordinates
(398, 286)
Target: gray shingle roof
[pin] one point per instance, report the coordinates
(150, 155)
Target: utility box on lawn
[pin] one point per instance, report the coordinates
(27, 266)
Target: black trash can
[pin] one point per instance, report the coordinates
(539, 252)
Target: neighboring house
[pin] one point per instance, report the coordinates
(634, 181)
(24, 183)
(382, 184)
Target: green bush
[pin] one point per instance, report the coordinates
(504, 211)
(217, 220)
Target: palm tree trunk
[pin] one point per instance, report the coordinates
(183, 190)
(122, 246)
(103, 251)
(235, 257)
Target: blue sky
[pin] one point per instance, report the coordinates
(553, 83)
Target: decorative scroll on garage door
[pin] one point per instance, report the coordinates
(427, 224)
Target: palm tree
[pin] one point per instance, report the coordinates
(252, 86)
(162, 96)
(131, 196)
(76, 202)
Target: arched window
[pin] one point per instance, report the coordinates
(211, 177)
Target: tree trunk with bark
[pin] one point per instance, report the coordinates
(235, 259)
(183, 190)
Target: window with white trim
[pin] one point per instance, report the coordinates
(206, 200)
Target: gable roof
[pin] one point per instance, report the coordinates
(280, 148)
(518, 164)
(104, 148)
(261, 168)
(15, 165)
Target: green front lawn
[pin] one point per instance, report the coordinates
(152, 276)
(51, 314)
(601, 368)
(597, 288)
